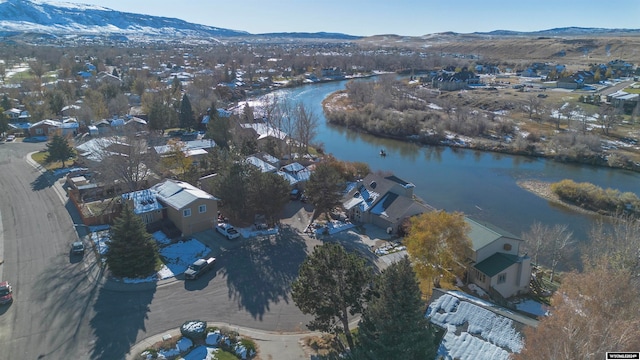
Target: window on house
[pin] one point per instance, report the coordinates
(186, 212)
(39, 131)
(202, 209)
(502, 278)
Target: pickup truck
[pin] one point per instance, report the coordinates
(199, 267)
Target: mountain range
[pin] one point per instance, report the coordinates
(61, 18)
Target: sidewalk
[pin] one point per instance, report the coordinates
(271, 345)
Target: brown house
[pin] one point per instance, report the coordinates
(190, 209)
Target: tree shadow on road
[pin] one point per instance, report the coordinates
(119, 317)
(42, 182)
(260, 272)
(66, 290)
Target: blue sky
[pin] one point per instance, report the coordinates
(375, 17)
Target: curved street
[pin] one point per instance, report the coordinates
(65, 308)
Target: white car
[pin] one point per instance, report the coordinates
(11, 137)
(227, 230)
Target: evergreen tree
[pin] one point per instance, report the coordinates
(4, 122)
(219, 130)
(324, 188)
(5, 103)
(393, 325)
(187, 119)
(331, 286)
(59, 150)
(132, 251)
(115, 73)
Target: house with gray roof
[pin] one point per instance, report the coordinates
(385, 201)
(475, 329)
(496, 264)
(190, 209)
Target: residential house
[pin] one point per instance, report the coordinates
(44, 128)
(476, 329)
(190, 209)
(17, 115)
(69, 127)
(260, 163)
(496, 265)
(385, 201)
(104, 77)
(451, 81)
(196, 149)
(206, 119)
(295, 173)
(266, 135)
(623, 100)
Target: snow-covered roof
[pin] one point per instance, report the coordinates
(293, 167)
(143, 201)
(363, 198)
(290, 178)
(260, 164)
(179, 194)
(97, 149)
(47, 122)
(476, 329)
(265, 130)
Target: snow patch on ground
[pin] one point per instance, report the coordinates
(533, 307)
(177, 257)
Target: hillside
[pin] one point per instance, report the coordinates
(567, 49)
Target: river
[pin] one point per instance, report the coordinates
(479, 184)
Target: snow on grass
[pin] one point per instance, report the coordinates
(178, 256)
(202, 353)
(533, 307)
(334, 227)
(101, 237)
(183, 345)
(488, 336)
(161, 238)
(249, 232)
(476, 289)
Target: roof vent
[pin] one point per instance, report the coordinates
(373, 184)
(357, 194)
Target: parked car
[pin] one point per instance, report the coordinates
(77, 248)
(295, 194)
(199, 267)
(228, 231)
(11, 137)
(6, 293)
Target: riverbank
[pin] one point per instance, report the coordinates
(339, 112)
(543, 190)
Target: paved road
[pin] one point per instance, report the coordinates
(62, 310)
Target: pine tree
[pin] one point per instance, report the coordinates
(331, 286)
(59, 150)
(132, 251)
(393, 325)
(187, 119)
(324, 188)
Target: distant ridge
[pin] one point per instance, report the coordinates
(62, 18)
(563, 31)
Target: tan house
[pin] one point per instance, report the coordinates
(385, 201)
(496, 264)
(190, 209)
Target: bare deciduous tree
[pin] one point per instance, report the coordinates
(592, 312)
(552, 244)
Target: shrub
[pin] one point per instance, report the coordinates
(194, 329)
